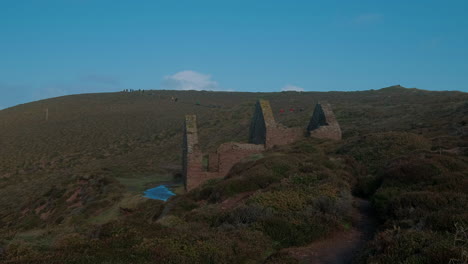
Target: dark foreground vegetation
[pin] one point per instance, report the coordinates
(71, 186)
(420, 196)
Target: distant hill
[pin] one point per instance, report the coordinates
(145, 128)
(88, 160)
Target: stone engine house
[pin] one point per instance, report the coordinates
(264, 134)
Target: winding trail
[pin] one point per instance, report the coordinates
(340, 248)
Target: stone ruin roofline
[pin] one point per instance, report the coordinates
(264, 134)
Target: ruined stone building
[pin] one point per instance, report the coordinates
(264, 134)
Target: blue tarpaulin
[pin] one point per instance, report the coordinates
(160, 192)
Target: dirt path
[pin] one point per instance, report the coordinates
(340, 247)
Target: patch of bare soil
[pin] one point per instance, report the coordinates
(343, 246)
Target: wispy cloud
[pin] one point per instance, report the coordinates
(190, 80)
(291, 87)
(369, 18)
(100, 79)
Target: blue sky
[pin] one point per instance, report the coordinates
(51, 48)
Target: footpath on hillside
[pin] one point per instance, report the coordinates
(341, 247)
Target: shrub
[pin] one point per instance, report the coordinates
(281, 258)
(375, 150)
(246, 215)
(367, 185)
(395, 246)
(21, 252)
(246, 183)
(423, 195)
(282, 200)
(410, 171)
(294, 231)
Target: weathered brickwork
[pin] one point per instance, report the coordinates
(323, 123)
(219, 163)
(213, 162)
(192, 156)
(264, 129)
(262, 123)
(264, 133)
(231, 153)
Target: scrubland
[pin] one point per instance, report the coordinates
(71, 186)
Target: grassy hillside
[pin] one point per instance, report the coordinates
(84, 169)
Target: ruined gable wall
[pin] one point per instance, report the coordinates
(323, 123)
(257, 133)
(318, 118)
(265, 130)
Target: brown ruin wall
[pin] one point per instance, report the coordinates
(231, 153)
(220, 163)
(265, 133)
(192, 156)
(323, 123)
(213, 162)
(263, 122)
(193, 171)
(328, 132)
(199, 177)
(196, 176)
(284, 136)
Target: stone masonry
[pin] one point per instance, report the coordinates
(264, 133)
(192, 155)
(264, 129)
(323, 123)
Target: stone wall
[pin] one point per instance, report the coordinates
(262, 123)
(191, 154)
(284, 135)
(323, 123)
(232, 153)
(213, 162)
(264, 129)
(219, 163)
(264, 133)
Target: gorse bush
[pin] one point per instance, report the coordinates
(281, 258)
(409, 246)
(245, 215)
(424, 195)
(375, 150)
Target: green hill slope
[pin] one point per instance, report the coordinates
(88, 164)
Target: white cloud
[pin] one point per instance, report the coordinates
(291, 87)
(190, 80)
(369, 18)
